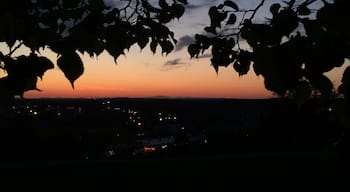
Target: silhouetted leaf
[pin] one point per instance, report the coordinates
(118, 39)
(232, 19)
(153, 46)
(178, 10)
(166, 46)
(274, 8)
(216, 67)
(216, 17)
(285, 21)
(99, 47)
(141, 35)
(142, 42)
(193, 50)
(242, 64)
(43, 64)
(10, 41)
(71, 65)
(164, 17)
(231, 4)
(163, 4)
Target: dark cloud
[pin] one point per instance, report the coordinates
(183, 42)
(173, 62)
(193, 6)
(201, 3)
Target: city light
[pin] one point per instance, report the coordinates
(149, 149)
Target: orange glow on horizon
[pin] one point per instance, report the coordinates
(144, 75)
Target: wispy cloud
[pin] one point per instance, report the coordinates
(183, 42)
(173, 64)
(193, 6)
(200, 3)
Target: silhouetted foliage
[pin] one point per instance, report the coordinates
(70, 27)
(292, 48)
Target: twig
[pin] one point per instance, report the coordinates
(14, 49)
(256, 9)
(135, 10)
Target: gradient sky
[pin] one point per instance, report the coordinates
(142, 74)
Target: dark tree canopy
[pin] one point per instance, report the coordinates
(67, 27)
(292, 48)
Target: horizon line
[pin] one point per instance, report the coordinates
(152, 97)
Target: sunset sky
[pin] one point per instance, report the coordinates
(142, 74)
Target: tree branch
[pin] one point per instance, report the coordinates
(14, 49)
(308, 2)
(135, 10)
(256, 9)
